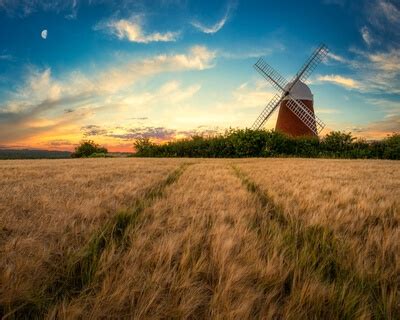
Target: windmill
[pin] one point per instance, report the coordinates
(296, 113)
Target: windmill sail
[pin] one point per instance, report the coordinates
(268, 110)
(305, 115)
(271, 75)
(295, 105)
(309, 66)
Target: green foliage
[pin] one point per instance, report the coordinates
(248, 143)
(99, 155)
(238, 143)
(337, 142)
(88, 148)
(391, 148)
(33, 154)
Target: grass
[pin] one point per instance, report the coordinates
(254, 238)
(80, 269)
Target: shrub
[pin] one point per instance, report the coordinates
(144, 147)
(337, 142)
(87, 148)
(99, 155)
(392, 147)
(263, 143)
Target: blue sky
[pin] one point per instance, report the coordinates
(113, 71)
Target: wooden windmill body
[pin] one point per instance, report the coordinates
(287, 121)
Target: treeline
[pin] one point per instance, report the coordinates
(11, 154)
(237, 143)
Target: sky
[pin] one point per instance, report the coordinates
(115, 71)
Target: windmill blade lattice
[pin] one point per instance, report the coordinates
(271, 75)
(304, 114)
(268, 110)
(309, 66)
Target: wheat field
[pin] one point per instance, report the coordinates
(200, 239)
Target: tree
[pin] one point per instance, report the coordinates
(338, 142)
(86, 148)
(392, 147)
(247, 142)
(144, 147)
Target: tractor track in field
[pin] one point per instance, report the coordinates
(79, 271)
(315, 249)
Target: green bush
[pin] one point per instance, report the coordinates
(87, 148)
(239, 143)
(99, 155)
(391, 148)
(337, 143)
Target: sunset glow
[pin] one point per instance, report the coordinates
(115, 71)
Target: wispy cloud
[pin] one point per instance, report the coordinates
(158, 133)
(214, 28)
(336, 57)
(132, 30)
(371, 71)
(389, 10)
(170, 93)
(150, 132)
(384, 16)
(59, 143)
(93, 130)
(328, 111)
(340, 80)
(389, 106)
(380, 128)
(43, 102)
(366, 35)
(6, 57)
(24, 8)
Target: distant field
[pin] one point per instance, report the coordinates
(197, 238)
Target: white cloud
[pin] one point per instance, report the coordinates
(6, 57)
(390, 11)
(251, 97)
(386, 61)
(328, 111)
(373, 72)
(379, 71)
(384, 16)
(132, 30)
(39, 103)
(24, 8)
(247, 53)
(366, 35)
(380, 128)
(211, 29)
(336, 57)
(118, 78)
(340, 80)
(170, 92)
(389, 106)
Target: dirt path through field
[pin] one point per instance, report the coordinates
(315, 251)
(217, 238)
(76, 271)
(214, 246)
(193, 255)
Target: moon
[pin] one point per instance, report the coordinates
(44, 34)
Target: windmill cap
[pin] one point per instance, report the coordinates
(300, 91)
